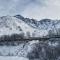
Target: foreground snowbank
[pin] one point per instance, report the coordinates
(12, 58)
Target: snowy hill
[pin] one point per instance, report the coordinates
(42, 25)
(12, 25)
(18, 24)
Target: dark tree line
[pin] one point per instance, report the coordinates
(15, 37)
(12, 37)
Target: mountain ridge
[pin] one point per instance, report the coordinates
(18, 24)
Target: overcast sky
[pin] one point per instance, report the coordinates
(37, 9)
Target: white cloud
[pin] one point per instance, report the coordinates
(11, 7)
(37, 9)
(51, 10)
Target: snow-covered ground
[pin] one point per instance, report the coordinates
(12, 58)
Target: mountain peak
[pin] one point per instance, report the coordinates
(19, 16)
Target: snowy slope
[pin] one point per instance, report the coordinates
(18, 24)
(12, 58)
(12, 25)
(44, 25)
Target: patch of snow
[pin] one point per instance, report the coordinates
(53, 44)
(12, 58)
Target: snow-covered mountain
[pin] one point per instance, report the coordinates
(12, 25)
(42, 25)
(18, 24)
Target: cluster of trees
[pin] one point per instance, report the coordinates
(52, 33)
(15, 37)
(11, 37)
(44, 51)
